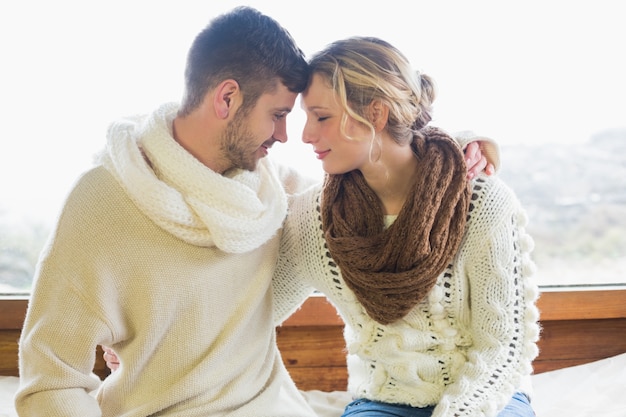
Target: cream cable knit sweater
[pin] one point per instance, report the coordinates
(469, 346)
(138, 269)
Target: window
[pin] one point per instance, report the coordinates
(543, 78)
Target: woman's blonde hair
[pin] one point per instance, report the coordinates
(362, 70)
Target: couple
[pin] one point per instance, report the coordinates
(177, 250)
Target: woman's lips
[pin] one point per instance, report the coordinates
(322, 154)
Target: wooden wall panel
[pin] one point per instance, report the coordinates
(578, 327)
(312, 346)
(314, 356)
(320, 378)
(576, 342)
(8, 351)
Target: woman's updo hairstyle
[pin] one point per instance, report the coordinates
(364, 69)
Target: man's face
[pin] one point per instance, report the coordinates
(249, 135)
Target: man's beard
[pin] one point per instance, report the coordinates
(238, 144)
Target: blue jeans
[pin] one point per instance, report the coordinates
(519, 406)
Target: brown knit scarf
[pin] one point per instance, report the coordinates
(391, 270)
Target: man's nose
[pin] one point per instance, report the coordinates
(280, 131)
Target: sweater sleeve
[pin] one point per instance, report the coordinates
(504, 317)
(60, 334)
(291, 284)
(57, 354)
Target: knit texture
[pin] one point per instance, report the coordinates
(192, 324)
(236, 213)
(391, 269)
(469, 345)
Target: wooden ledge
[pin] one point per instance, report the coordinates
(316, 311)
(12, 312)
(588, 304)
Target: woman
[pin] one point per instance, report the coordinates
(431, 275)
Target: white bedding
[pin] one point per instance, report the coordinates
(597, 389)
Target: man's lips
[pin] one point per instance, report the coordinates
(265, 147)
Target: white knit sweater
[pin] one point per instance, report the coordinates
(466, 349)
(135, 264)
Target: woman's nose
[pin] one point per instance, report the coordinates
(308, 135)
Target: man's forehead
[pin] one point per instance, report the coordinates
(280, 99)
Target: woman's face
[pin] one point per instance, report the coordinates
(339, 153)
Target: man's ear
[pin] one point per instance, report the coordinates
(378, 114)
(226, 98)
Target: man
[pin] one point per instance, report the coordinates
(165, 250)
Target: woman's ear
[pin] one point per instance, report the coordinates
(226, 98)
(378, 115)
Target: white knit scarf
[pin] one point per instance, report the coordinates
(237, 213)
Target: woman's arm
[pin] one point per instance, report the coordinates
(504, 318)
(296, 270)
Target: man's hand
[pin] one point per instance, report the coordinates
(476, 162)
(110, 358)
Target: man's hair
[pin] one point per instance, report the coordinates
(249, 47)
